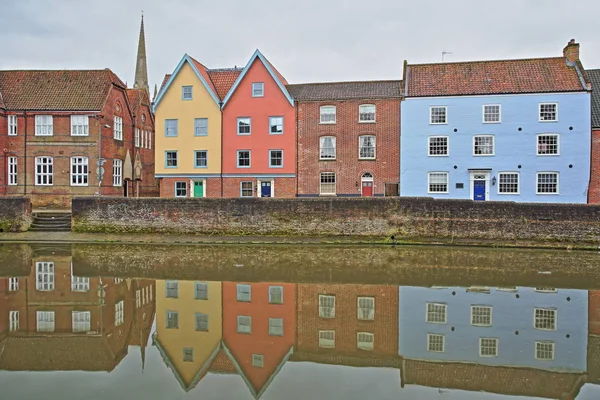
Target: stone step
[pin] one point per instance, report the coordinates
(49, 229)
(51, 222)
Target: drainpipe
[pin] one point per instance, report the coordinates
(296, 141)
(25, 154)
(221, 172)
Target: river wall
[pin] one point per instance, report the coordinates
(15, 213)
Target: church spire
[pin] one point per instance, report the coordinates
(141, 67)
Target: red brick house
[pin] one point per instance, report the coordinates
(348, 138)
(594, 191)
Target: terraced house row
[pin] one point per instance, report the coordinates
(514, 130)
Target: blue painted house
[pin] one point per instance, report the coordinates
(511, 130)
(541, 328)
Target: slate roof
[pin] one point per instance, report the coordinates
(346, 90)
(594, 75)
(223, 79)
(57, 90)
(536, 75)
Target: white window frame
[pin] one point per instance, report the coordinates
(544, 343)
(45, 321)
(475, 316)
(493, 153)
(326, 310)
(499, 113)
(361, 146)
(244, 119)
(537, 144)
(271, 165)
(329, 184)
(80, 125)
(12, 171)
(362, 344)
(44, 125)
(44, 276)
(326, 339)
(502, 173)
(242, 188)
(537, 182)
(196, 158)
(44, 171)
(13, 284)
(552, 311)
(80, 283)
(243, 293)
(322, 147)
(81, 321)
(258, 89)
(80, 171)
(12, 125)
(429, 175)
(117, 172)
(429, 144)
(245, 329)
(540, 119)
(326, 110)
(118, 128)
(180, 189)
(364, 111)
(431, 336)
(137, 137)
(275, 326)
(494, 347)
(430, 310)
(13, 321)
(445, 108)
(249, 159)
(119, 313)
(369, 314)
(546, 290)
(274, 297)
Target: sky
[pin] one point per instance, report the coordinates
(307, 41)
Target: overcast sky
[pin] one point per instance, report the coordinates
(308, 40)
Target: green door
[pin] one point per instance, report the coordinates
(198, 189)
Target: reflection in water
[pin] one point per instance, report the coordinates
(510, 340)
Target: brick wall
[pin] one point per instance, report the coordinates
(398, 217)
(594, 192)
(346, 324)
(348, 168)
(594, 312)
(212, 189)
(3, 160)
(283, 187)
(144, 121)
(15, 214)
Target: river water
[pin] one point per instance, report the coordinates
(290, 322)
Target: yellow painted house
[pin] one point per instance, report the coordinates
(189, 327)
(188, 129)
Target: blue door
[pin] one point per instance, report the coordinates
(265, 189)
(479, 190)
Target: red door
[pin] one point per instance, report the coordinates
(367, 189)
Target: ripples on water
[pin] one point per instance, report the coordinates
(159, 322)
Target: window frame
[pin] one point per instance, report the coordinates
(118, 127)
(137, 137)
(555, 319)
(13, 126)
(366, 334)
(271, 327)
(271, 124)
(271, 295)
(180, 191)
(358, 308)
(334, 113)
(42, 128)
(249, 325)
(48, 325)
(176, 319)
(361, 113)
(544, 342)
(256, 86)
(190, 91)
(496, 347)
(321, 340)
(187, 354)
(258, 360)
(537, 144)
(242, 119)
(436, 335)
(198, 129)
(13, 171)
(13, 321)
(119, 313)
(239, 298)
(198, 327)
(196, 152)
(196, 286)
(83, 176)
(117, 172)
(271, 159)
(445, 108)
(173, 292)
(321, 147)
(85, 125)
(483, 114)
(81, 326)
(493, 137)
(249, 159)
(438, 137)
(173, 128)
(242, 189)
(518, 174)
(537, 182)
(328, 297)
(46, 177)
(427, 312)
(447, 174)
(360, 147)
(555, 104)
(321, 193)
(176, 158)
(480, 324)
(47, 284)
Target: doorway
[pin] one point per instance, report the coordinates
(367, 184)
(266, 189)
(480, 186)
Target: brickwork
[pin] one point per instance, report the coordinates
(3, 159)
(212, 189)
(594, 312)
(280, 187)
(144, 121)
(347, 166)
(594, 191)
(346, 323)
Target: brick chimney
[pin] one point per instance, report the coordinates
(571, 51)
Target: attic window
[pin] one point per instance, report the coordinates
(258, 89)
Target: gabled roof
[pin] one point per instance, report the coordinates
(201, 72)
(277, 77)
(57, 90)
(223, 79)
(536, 75)
(594, 75)
(165, 80)
(346, 90)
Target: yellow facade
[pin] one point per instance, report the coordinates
(173, 341)
(172, 106)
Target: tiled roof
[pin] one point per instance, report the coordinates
(60, 90)
(164, 82)
(134, 96)
(540, 75)
(511, 381)
(223, 79)
(346, 90)
(594, 76)
(204, 72)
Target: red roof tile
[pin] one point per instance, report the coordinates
(204, 72)
(541, 75)
(165, 80)
(60, 90)
(134, 96)
(223, 79)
